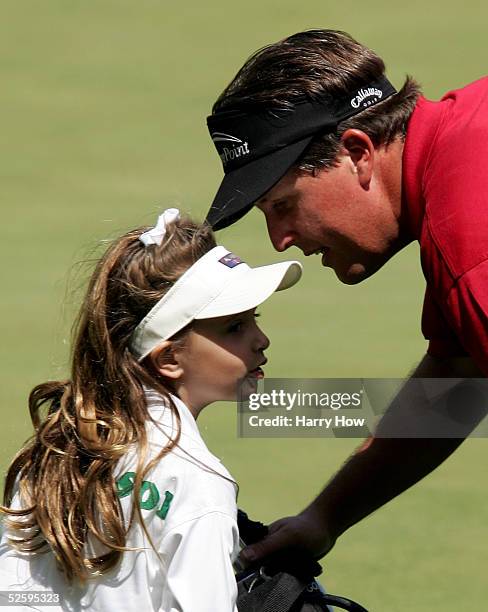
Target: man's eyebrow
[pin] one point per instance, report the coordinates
(265, 199)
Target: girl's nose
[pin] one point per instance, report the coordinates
(262, 340)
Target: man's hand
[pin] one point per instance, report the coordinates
(305, 532)
(379, 470)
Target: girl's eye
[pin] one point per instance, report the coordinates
(238, 325)
(234, 327)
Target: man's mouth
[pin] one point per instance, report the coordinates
(322, 251)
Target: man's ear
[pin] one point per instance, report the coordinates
(164, 360)
(359, 147)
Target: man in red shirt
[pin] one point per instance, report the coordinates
(343, 166)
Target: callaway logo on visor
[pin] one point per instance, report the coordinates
(361, 99)
(230, 260)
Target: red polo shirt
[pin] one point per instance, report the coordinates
(445, 182)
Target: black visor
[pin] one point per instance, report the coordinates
(257, 149)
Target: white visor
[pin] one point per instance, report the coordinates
(217, 285)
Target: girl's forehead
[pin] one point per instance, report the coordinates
(221, 321)
(237, 315)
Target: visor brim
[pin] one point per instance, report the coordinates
(252, 289)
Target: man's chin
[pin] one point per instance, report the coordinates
(357, 272)
(353, 275)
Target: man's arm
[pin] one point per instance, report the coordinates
(379, 470)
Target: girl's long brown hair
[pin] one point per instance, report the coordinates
(83, 426)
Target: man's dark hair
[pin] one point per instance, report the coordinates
(317, 64)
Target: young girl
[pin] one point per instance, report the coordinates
(116, 502)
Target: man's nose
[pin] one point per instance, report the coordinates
(281, 236)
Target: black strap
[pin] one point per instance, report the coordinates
(278, 594)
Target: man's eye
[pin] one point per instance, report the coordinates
(280, 206)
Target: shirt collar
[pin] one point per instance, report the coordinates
(421, 135)
(161, 413)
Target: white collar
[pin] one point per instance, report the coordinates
(159, 410)
(191, 444)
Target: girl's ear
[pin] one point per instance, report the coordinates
(164, 360)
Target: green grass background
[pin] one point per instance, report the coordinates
(103, 109)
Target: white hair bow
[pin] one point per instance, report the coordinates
(156, 234)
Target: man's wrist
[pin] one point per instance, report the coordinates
(319, 515)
